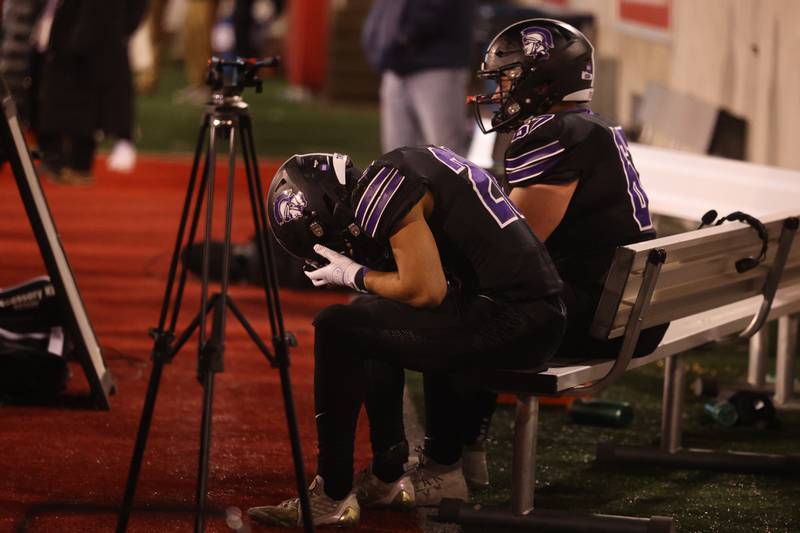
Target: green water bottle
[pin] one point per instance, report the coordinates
(724, 413)
(601, 412)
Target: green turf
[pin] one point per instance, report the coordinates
(281, 126)
(568, 479)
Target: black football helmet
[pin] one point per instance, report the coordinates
(541, 62)
(309, 203)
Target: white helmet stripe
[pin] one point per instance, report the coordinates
(584, 95)
(339, 167)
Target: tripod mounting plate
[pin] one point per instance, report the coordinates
(230, 77)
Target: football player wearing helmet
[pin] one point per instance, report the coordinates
(571, 175)
(569, 169)
(472, 288)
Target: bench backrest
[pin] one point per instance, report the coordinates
(699, 274)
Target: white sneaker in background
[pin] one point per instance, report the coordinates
(122, 157)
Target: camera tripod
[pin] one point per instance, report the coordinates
(226, 117)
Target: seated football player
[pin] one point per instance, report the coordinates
(571, 175)
(454, 280)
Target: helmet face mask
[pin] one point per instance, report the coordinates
(535, 64)
(308, 203)
(502, 106)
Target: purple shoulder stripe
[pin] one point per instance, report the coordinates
(532, 156)
(368, 198)
(531, 171)
(392, 184)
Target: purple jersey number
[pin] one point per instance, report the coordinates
(639, 201)
(484, 184)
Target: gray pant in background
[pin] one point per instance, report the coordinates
(426, 107)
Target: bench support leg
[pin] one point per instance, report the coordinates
(522, 516)
(671, 454)
(784, 364)
(523, 463)
(757, 365)
(672, 403)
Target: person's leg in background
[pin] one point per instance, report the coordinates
(117, 100)
(51, 148)
(148, 42)
(80, 150)
(439, 98)
(243, 24)
(399, 122)
(197, 50)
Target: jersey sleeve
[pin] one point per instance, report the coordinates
(541, 151)
(383, 196)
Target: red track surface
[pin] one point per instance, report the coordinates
(63, 468)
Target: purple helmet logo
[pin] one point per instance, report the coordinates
(289, 206)
(537, 42)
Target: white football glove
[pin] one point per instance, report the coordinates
(341, 271)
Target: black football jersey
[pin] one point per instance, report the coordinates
(484, 243)
(609, 207)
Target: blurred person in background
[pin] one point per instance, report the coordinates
(85, 84)
(16, 54)
(198, 23)
(251, 21)
(418, 48)
(225, 28)
(148, 47)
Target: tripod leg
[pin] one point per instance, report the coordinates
(265, 252)
(250, 331)
(279, 337)
(204, 271)
(173, 266)
(211, 363)
(192, 232)
(211, 354)
(163, 352)
(161, 349)
(141, 442)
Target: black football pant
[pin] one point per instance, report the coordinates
(446, 394)
(362, 348)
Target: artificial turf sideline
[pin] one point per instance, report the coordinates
(700, 501)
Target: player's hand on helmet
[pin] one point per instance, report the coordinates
(341, 271)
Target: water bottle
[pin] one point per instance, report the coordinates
(601, 412)
(724, 413)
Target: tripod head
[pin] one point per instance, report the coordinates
(229, 77)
